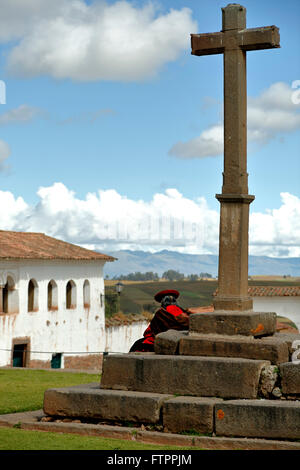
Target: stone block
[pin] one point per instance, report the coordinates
(168, 341)
(289, 339)
(290, 378)
(258, 418)
(183, 375)
(112, 405)
(246, 323)
(271, 349)
(189, 414)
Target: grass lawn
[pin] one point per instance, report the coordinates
(19, 439)
(23, 390)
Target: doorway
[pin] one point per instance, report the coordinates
(20, 355)
(56, 361)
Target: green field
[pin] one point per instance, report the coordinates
(139, 296)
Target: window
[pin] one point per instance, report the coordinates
(10, 299)
(33, 291)
(5, 298)
(86, 294)
(52, 295)
(71, 295)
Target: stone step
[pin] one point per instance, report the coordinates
(92, 402)
(183, 375)
(258, 418)
(271, 419)
(272, 348)
(190, 414)
(246, 323)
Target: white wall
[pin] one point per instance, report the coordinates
(120, 338)
(288, 306)
(73, 330)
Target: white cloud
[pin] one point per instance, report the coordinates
(109, 221)
(208, 144)
(277, 231)
(70, 39)
(11, 210)
(4, 153)
(23, 114)
(87, 116)
(19, 16)
(270, 114)
(277, 96)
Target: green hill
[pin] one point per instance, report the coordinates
(139, 296)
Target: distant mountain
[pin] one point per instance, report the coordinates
(159, 262)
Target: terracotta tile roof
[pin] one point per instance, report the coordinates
(271, 291)
(31, 245)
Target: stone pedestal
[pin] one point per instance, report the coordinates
(205, 393)
(196, 382)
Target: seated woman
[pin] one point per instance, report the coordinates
(170, 316)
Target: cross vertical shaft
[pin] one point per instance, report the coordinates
(235, 105)
(233, 41)
(234, 213)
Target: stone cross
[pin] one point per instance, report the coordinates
(233, 42)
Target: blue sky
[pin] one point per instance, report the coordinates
(108, 114)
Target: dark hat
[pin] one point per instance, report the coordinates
(158, 297)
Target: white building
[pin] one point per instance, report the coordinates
(284, 301)
(51, 302)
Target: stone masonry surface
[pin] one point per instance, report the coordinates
(290, 378)
(234, 323)
(259, 418)
(189, 414)
(93, 402)
(184, 375)
(274, 350)
(271, 419)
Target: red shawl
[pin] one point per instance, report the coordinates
(170, 318)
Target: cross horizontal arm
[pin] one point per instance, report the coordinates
(252, 39)
(206, 44)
